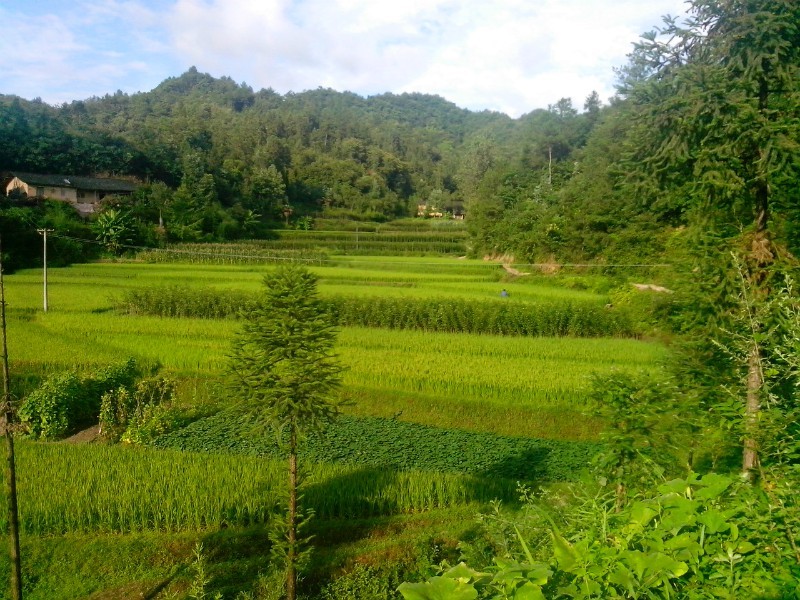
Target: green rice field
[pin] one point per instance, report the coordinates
(509, 385)
(74, 488)
(432, 420)
(97, 286)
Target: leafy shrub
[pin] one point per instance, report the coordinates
(361, 583)
(138, 415)
(67, 402)
(45, 411)
(691, 538)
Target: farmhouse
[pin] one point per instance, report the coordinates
(84, 193)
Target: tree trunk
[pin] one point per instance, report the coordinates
(291, 554)
(754, 383)
(11, 471)
(13, 520)
(621, 495)
(761, 257)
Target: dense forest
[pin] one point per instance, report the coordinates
(219, 161)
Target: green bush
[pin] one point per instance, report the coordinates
(66, 402)
(694, 538)
(138, 415)
(361, 583)
(45, 411)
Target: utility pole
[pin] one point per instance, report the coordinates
(43, 233)
(11, 470)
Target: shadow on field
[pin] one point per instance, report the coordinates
(530, 463)
(235, 558)
(378, 491)
(368, 491)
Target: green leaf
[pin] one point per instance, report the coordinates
(563, 552)
(438, 588)
(523, 544)
(539, 574)
(642, 514)
(744, 547)
(713, 485)
(462, 573)
(529, 591)
(714, 521)
(661, 563)
(623, 577)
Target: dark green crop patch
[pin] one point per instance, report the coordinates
(397, 445)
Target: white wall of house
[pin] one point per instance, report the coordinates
(84, 200)
(17, 184)
(50, 192)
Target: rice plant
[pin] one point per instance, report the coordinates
(67, 488)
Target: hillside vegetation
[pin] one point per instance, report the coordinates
(220, 161)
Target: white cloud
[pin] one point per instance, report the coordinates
(67, 52)
(508, 55)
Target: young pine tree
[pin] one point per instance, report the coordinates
(284, 368)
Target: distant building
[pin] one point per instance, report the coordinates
(456, 211)
(84, 193)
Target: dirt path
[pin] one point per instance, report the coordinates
(84, 437)
(513, 271)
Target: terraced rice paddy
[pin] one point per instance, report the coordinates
(456, 385)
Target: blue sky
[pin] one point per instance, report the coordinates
(506, 55)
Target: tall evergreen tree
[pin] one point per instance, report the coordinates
(717, 109)
(283, 366)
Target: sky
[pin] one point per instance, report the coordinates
(511, 56)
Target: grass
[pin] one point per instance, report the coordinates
(157, 565)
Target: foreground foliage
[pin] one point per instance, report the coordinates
(709, 537)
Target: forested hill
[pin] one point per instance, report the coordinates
(576, 181)
(223, 160)
(319, 136)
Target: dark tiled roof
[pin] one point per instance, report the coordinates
(77, 182)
